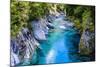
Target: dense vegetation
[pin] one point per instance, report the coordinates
(19, 16)
(81, 16)
(84, 19)
(22, 13)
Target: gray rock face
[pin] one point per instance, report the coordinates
(14, 53)
(85, 38)
(39, 30)
(23, 47)
(87, 44)
(51, 18)
(44, 26)
(39, 34)
(14, 59)
(27, 41)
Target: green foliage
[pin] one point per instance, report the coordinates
(19, 16)
(37, 10)
(84, 19)
(22, 13)
(82, 16)
(83, 49)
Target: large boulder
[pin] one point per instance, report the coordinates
(39, 34)
(39, 30)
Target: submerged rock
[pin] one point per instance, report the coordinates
(63, 24)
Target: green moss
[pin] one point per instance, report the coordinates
(83, 49)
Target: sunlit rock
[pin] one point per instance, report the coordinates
(38, 31)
